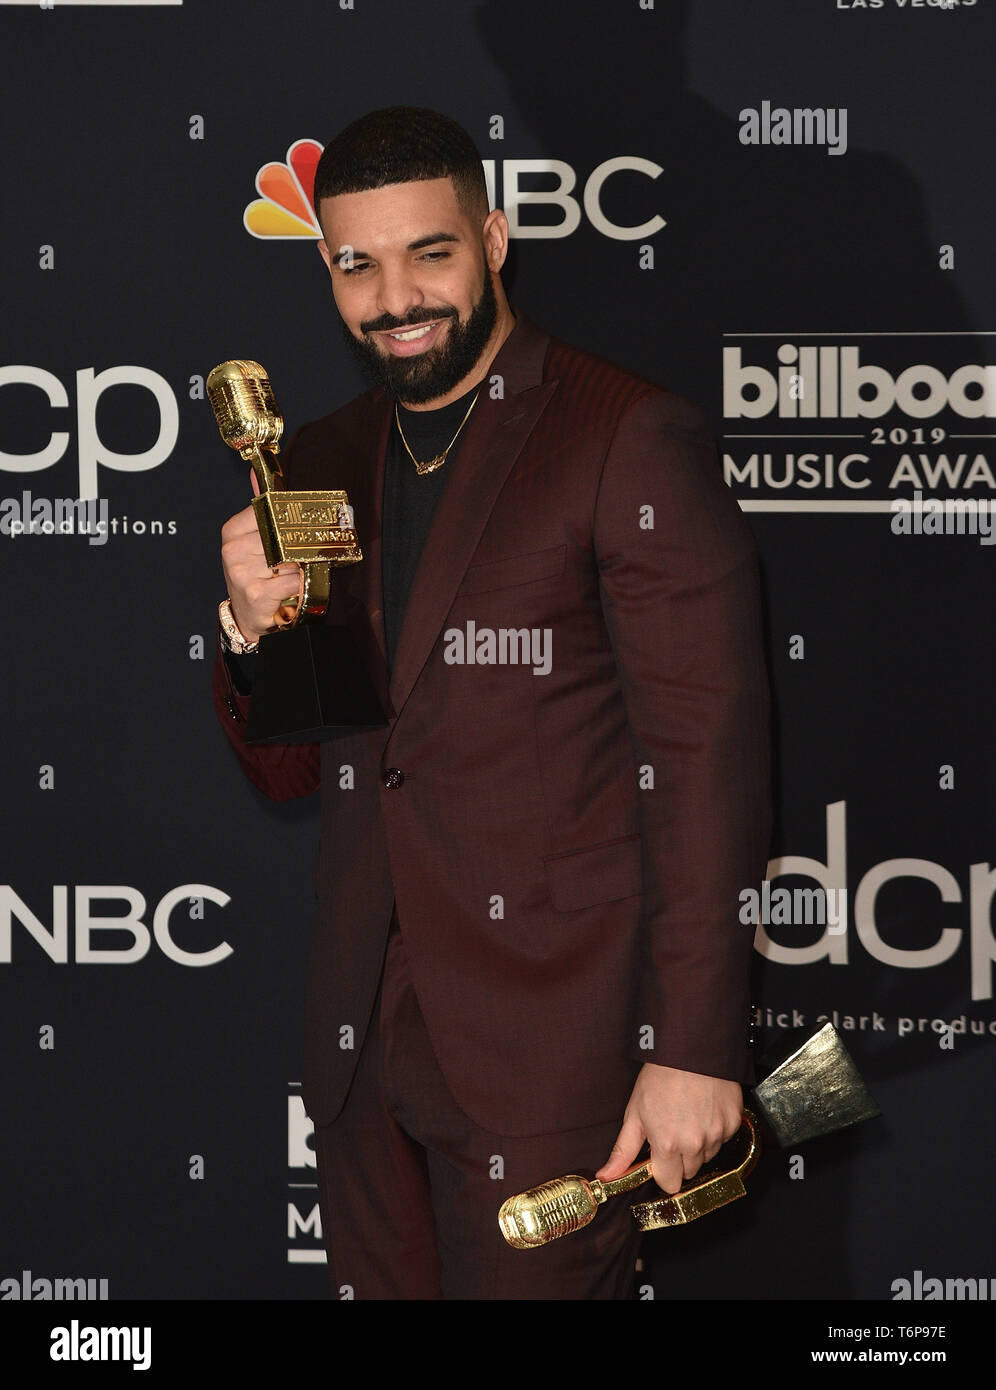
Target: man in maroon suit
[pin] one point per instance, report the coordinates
(528, 958)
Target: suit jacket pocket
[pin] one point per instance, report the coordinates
(516, 569)
(598, 874)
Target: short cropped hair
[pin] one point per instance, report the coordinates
(402, 144)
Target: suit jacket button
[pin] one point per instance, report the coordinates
(393, 778)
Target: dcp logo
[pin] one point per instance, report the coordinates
(93, 453)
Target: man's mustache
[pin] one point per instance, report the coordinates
(388, 324)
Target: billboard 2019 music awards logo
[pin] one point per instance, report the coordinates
(830, 422)
(304, 1218)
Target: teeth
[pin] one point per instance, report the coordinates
(411, 334)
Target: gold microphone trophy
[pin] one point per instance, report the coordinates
(810, 1088)
(311, 682)
(557, 1208)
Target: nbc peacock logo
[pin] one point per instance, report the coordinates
(284, 208)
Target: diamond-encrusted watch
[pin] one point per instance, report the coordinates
(231, 638)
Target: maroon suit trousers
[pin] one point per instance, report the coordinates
(409, 1187)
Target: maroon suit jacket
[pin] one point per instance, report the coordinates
(566, 849)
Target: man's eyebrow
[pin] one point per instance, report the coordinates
(348, 253)
(431, 240)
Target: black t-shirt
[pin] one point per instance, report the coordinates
(410, 501)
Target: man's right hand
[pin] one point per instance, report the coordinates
(256, 591)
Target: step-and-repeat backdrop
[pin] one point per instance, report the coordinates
(782, 211)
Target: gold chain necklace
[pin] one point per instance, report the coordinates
(432, 464)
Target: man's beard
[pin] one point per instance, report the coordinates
(428, 375)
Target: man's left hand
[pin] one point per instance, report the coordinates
(686, 1117)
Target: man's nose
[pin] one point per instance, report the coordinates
(398, 292)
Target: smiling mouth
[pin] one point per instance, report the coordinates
(410, 335)
(413, 340)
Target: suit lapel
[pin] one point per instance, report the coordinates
(492, 441)
(370, 587)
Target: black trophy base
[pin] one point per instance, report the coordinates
(311, 685)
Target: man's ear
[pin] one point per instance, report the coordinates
(495, 236)
(324, 252)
